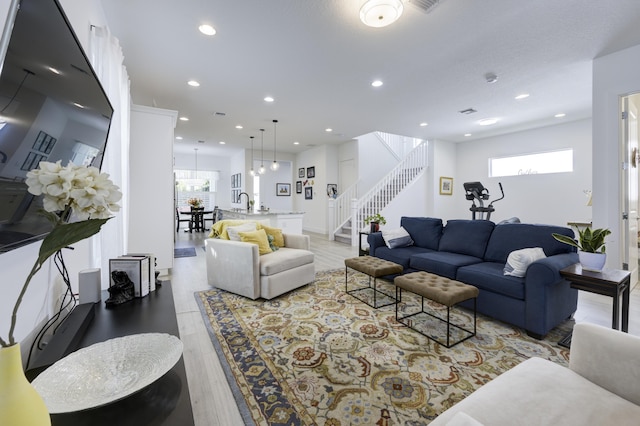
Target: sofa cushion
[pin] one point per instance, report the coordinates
(489, 276)
(425, 231)
(400, 255)
(395, 238)
(441, 262)
(283, 260)
(515, 236)
(276, 233)
(468, 237)
(257, 237)
(519, 260)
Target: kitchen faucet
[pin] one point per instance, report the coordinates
(240, 197)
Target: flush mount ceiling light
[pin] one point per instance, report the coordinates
(380, 13)
(522, 96)
(560, 115)
(423, 124)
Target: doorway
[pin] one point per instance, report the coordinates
(630, 183)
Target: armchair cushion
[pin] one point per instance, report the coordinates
(283, 260)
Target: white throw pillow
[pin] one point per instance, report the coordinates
(233, 231)
(395, 238)
(519, 260)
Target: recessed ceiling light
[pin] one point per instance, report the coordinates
(53, 70)
(467, 134)
(179, 138)
(207, 29)
(488, 121)
(423, 124)
(78, 105)
(239, 127)
(269, 99)
(296, 143)
(184, 118)
(522, 96)
(222, 143)
(560, 115)
(328, 130)
(377, 83)
(193, 83)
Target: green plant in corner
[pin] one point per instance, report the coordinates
(376, 218)
(589, 241)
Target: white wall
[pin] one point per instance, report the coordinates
(614, 76)
(40, 300)
(374, 161)
(555, 198)
(443, 163)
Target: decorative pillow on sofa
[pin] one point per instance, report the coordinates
(519, 260)
(233, 231)
(278, 238)
(257, 237)
(395, 238)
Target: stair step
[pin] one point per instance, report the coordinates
(343, 238)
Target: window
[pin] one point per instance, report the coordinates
(531, 164)
(192, 184)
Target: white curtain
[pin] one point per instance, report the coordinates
(107, 60)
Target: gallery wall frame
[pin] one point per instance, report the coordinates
(332, 190)
(299, 187)
(283, 189)
(308, 193)
(301, 172)
(311, 172)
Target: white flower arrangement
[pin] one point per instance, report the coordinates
(78, 191)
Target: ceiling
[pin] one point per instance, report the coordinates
(317, 60)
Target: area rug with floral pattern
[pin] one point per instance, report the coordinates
(318, 356)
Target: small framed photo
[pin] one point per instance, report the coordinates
(332, 190)
(446, 185)
(283, 189)
(301, 172)
(311, 172)
(308, 192)
(299, 187)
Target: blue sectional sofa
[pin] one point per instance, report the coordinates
(475, 252)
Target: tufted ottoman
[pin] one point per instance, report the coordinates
(440, 290)
(374, 267)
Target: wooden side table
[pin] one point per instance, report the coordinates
(608, 282)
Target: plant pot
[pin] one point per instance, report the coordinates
(592, 261)
(375, 227)
(20, 404)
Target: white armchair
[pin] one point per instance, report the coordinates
(237, 267)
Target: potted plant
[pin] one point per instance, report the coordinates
(590, 245)
(375, 220)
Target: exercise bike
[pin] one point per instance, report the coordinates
(476, 191)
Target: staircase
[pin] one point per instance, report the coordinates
(348, 211)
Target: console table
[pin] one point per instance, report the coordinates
(165, 402)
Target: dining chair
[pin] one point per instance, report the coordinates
(178, 219)
(197, 219)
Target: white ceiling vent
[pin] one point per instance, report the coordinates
(426, 5)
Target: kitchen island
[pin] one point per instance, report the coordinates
(290, 222)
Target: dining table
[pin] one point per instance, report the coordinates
(196, 222)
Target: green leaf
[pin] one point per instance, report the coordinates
(566, 240)
(66, 234)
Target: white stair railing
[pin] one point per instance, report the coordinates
(340, 209)
(398, 145)
(378, 197)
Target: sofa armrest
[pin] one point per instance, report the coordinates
(233, 266)
(297, 241)
(375, 240)
(608, 358)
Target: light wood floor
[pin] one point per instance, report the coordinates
(212, 401)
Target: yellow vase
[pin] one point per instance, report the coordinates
(20, 404)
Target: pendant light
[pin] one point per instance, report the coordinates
(252, 172)
(274, 165)
(261, 169)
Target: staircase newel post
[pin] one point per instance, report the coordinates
(355, 223)
(332, 218)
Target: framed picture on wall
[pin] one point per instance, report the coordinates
(283, 189)
(308, 193)
(446, 185)
(311, 172)
(332, 190)
(299, 187)
(301, 172)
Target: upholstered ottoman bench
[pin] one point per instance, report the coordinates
(375, 268)
(440, 290)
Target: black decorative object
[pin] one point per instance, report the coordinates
(122, 291)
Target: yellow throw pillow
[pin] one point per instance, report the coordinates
(257, 237)
(278, 239)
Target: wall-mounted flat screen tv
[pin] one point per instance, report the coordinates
(52, 107)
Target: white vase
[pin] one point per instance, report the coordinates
(592, 261)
